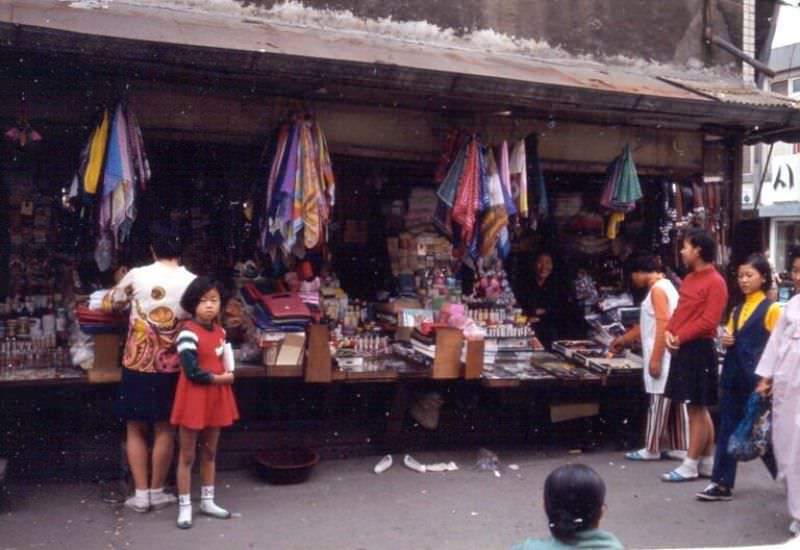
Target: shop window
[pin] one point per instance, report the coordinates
(795, 87)
(787, 237)
(781, 87)
(747, 160)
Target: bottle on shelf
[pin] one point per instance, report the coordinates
(49, 319)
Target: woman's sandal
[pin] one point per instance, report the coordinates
(637, 455)
(675, 477)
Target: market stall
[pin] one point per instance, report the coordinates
(378, 228)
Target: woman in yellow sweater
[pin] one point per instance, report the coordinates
(747, 332)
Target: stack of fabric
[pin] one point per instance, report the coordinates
(270, 315)
(421, 211)
(300, 189)
(92, 321)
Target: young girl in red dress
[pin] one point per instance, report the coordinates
(204, 400)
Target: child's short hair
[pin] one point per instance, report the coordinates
(574, 496)
(196, 290)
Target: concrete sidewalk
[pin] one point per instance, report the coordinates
(346, 506)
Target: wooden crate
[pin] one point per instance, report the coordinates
(107, 366)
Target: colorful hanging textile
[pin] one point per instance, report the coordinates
(97, 152)
(505, 179)
(301, 190)
(518, 170)
(113, 169)
(622, 189)
(494, 224)
(473, 202)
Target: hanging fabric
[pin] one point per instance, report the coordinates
(300, 191)
(518, 170)
(113, 170)
(494, 224)
(622, 188)
(97, 151)
(536, 175)
(474, 200)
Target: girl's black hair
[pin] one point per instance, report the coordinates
(642, 262)
(702, 239)
(166, 242)
(574, 495)
(196, 290)
(760, 263)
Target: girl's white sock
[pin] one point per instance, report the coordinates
(184, 511)
(207, 505)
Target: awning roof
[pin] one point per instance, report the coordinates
(369, 64)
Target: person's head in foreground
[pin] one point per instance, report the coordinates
(574, 501)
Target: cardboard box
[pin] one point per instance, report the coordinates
(562, 412)
(107, 366)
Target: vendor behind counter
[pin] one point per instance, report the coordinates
(547, 300)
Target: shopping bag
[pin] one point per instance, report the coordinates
(751, 439)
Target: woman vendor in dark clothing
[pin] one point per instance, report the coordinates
(546, 300)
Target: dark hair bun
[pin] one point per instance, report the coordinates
(574, 496)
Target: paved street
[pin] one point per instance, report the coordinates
(346, 506)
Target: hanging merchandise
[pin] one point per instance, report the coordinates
(23, 133)
(518, 170)
(96, 155)
(541, 209)
(113, 170)
(300, 192)
(622, 190)
(475, 201)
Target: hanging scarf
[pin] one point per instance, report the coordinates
(495, 217)
(141, 166)
(519, 177)
(467, 200)
(449, 150)
(449, 186)
(97, 153)
(325, 168)
(311, 190)
(505, 180)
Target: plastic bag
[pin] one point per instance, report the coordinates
(488, 461)
(751, 439)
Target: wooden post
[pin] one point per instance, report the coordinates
(319, 367)
(447, 363)
(474, 365)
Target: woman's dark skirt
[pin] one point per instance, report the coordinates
(694, 374)
(145, 397)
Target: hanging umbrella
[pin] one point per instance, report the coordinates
(628, 189)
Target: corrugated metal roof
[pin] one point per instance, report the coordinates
(735, 93)
(262, 42)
